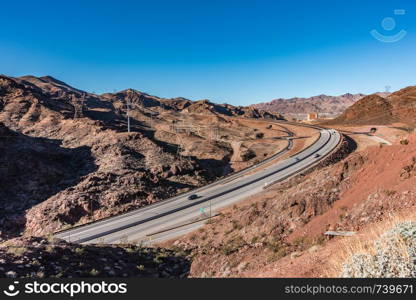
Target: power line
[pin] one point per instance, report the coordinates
(78, 104)
(128, 104)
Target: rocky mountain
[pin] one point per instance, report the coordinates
(67, 158)
(330, 106)
(319, 104)
(377, 110)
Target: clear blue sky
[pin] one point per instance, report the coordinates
(240, 52)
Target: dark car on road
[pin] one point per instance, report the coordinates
(192, 197)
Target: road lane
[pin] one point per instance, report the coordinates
(140, 224)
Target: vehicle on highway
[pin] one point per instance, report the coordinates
(317, 155)
(139, 224)
(192, 197)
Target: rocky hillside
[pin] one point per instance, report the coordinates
(280, 233)
(32, 170)
(67, 158)
(206, 107)
(377, 110)
(333, 105)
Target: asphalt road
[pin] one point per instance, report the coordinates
(174, 217)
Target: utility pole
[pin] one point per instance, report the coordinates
(78, 104)
(128, 102)
(91, 210)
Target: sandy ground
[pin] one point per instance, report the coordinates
(303, 138)
(384, 134)
(244, 141)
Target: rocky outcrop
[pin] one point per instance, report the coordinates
(377, 110)
(333, 105)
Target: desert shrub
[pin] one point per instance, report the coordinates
(94, 272)
(236, 225)
(393, 255)
(389, 193)
(302, 242)
(17, 251)
(275, 245)
(141, 267)
(254, 239)
(232, 245)
(248, 154)
(79, 251)
(275, 256)
(404, 142)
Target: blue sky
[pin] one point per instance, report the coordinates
(240, 52)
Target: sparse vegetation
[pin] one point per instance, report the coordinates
(259, 135)
(275, 245)
(254, 239)
(79, 250)
(275, 256)
(236, 225)
(93, 273)
(232, 245)
(302, 242)
(141, 268)
(393, 254)
(17, 251)
(389, 193)
(341, 217)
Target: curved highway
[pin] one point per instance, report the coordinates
(173, 217)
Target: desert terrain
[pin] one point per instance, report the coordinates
(324, 105)
(366, 189)
(68, 158)
(280, 233)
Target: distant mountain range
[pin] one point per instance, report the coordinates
(330, 105)
(398, 107)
